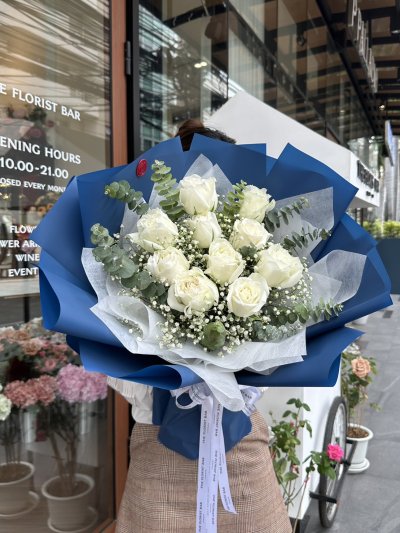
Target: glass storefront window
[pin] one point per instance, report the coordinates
(197, 54)
(183, 64)
(54, 124)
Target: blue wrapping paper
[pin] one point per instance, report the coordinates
(67, 296)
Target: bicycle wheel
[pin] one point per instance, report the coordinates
(335, 433)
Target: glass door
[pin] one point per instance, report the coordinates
(56, 449)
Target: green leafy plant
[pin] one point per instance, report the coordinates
(166, 187)
(233, 200)
(357, 373)
(389, 229)
(274, 218)
(286, 438)
(122, 267)
(302, 239)
(121, 190)
(302, 313)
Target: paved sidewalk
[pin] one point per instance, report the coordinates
(370, 501)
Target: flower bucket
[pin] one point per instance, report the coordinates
(360, 462)
(15, 486)
(28, 425)
(69, 513)
(87, 412)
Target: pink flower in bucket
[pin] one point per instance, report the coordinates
(335, 452)
(23, 394)
(76, 384)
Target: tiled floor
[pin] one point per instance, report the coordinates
(370, 502)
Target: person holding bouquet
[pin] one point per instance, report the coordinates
(160, 492)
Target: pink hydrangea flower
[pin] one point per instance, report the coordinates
(24, 394)
(335, 452)
(46, 389)
(75, 384)
(20, 393)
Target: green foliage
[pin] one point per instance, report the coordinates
(354, 388)
(166, 187)
(100, 236)
(214, 335)
(284, 451)
(320, 461)
(302, 239)
(121, 267)
(121, 190)
(273, 219)
(374, 228)
(300, 312)
(390, 229)
(234, 200)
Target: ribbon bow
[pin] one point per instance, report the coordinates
(212, 470)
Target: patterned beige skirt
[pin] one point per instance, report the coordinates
(160, 492)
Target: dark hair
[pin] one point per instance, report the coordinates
(192, 126)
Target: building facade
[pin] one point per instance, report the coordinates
(88, 84)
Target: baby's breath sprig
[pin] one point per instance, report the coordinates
(226, 222)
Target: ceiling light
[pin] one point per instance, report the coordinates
(200, 64)
(394, 22)
(382, 107)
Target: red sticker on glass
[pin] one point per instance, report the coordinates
(141, 168)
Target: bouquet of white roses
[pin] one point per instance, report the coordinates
(214, 276)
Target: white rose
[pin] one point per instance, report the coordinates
(205, 229)
(224, 263)
(192, 292)
(5, 407)
(198, 195)
(256, 203)
(166, 265)
(278, 267)
(248, 232)
(247, 296)
(156, 231)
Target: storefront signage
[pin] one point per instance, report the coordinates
(33, 173)
(358, 32)
(366, 176)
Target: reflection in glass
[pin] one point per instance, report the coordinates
(54, 118)
(55, 431)
(195, 55)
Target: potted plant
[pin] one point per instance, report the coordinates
(287, 466)
(16, 496)
(15, 475)
(69, 493)
(356, 376)
(29, 351)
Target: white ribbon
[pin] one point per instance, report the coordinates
(212, 470)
